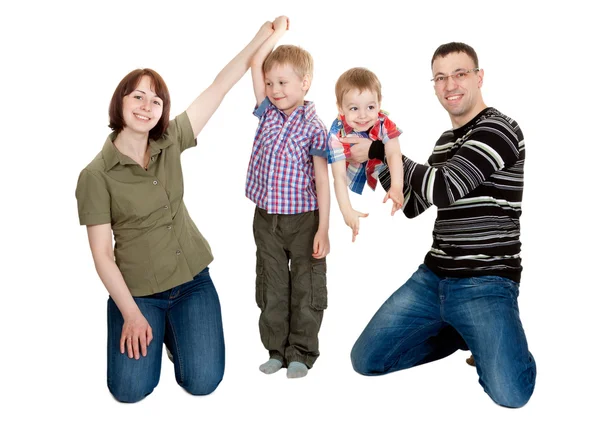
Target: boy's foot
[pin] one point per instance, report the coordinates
(471, 361)
(296, 370)
(271, 366)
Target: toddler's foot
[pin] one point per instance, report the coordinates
(296, 370)
(271, 366)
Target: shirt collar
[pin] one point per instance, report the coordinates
(307, 110)
(112, 156)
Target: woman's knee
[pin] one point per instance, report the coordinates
(129, 393)
(202, 385)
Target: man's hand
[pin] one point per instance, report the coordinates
(360, 150)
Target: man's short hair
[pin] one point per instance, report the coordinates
(455, 47)
(359, 78)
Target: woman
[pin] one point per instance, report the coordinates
(157, 276)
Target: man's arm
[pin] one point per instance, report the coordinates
(492, 145)
(201, 109)
(256, 67)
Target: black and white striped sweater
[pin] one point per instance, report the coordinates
(475, 178)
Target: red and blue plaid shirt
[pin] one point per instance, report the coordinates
(366, 172)
(281, 175)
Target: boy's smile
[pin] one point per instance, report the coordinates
(284, 88)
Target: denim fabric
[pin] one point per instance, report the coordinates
(187, 318)
(430, 317)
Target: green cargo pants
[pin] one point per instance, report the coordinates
(291, 289)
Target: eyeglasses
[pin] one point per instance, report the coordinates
(458, 76)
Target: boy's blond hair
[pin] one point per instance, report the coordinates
(299, 59)
(360, 78)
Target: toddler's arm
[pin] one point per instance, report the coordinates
(394, 162)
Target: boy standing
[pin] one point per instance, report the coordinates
(287, 179)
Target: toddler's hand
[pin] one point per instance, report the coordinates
(397, 197)
(351, 219)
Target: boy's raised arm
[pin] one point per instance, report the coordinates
(201, 109)
(280, 25)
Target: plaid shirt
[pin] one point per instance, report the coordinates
(281, 175)
(366, 172)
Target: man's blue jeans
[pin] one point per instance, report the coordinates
(429, 317)
(187, 318)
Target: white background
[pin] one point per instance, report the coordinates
(60, 63)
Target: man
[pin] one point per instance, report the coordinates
(465, 294)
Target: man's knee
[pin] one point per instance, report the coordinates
(361, 361)
(511, 389)
(511, 397)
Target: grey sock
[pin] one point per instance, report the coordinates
(296, 370)
(271, 366)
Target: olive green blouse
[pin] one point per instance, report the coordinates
(157, 245)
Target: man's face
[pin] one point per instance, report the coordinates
(459, 94)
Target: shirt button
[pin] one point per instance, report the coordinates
(166, 206)
(178, 252)
(152, 158)
(169, 227)
(154, 182)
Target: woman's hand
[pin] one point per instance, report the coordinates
(135, 336)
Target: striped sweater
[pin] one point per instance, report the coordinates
(475, 178)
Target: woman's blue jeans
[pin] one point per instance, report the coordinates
(430, 317)
(187, 318)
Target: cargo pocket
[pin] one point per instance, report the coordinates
(260, 285)
(318, 298)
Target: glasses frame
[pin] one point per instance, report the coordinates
(453, 75)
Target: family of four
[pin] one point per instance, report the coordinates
(464, 295)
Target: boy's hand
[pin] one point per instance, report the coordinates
(397, 197)
(351, 219)
(321, 245)
(281, 22)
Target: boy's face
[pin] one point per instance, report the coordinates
(285, 89)
(360, 109)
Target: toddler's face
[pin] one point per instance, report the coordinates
(360, 109)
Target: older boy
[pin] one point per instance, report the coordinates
(288, 181)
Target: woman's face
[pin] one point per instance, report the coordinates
(142, 108)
